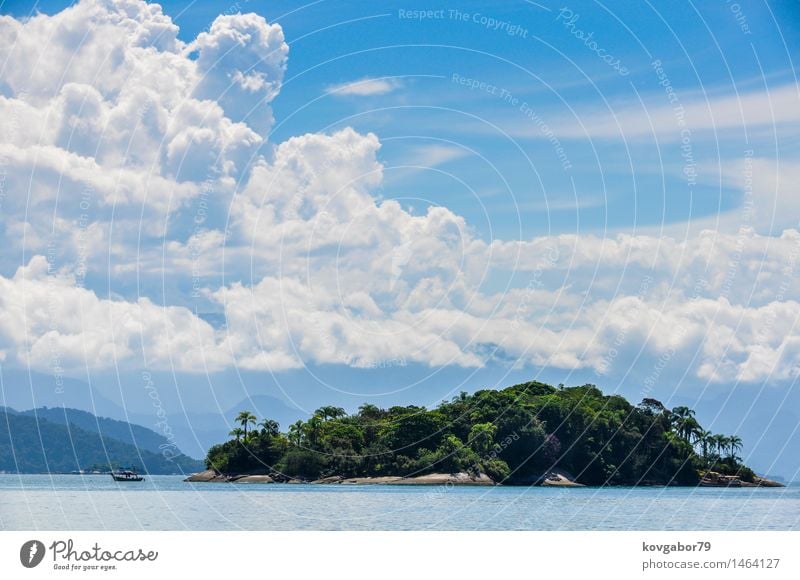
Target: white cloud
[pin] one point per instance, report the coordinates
(351, 280)
(109, 113)
(751, 111)
(102, 101)
(434, 155)
(49, 322)
(366, 87)
(241, 61)
(770, 190)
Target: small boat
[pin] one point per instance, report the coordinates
(126, 475)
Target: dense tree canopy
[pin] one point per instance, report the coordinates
(515, 435)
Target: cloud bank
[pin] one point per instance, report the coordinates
(129, 152)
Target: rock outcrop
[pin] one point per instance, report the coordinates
(207, 475)
(254, 479)
(559, 478)
(714, 479)
(430, 479)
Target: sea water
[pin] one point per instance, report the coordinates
(96, 502)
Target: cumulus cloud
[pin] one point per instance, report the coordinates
(48, 321)
(361, 280)
(103, 103)
(241, 61)
(110, 114)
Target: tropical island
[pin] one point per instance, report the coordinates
(527, 434)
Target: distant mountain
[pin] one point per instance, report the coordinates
(21, 389)
(196, 432)
(136, 435)
(30, 444)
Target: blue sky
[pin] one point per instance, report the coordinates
(333, 202)
(618, 184)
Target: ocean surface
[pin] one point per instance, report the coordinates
(96, 502)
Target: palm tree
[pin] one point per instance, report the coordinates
(706, 441)
(330, 412)
(735, 443)
(311, 429)
(270, 427)
(690, 429)
(683, 422)
(295, 434)
(720, 442)
(680, 414)
(245, 418)
(369, 411)
(236, 432)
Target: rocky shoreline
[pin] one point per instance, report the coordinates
(550, 479)
(429, 479)
(714, 479)
(554, 478)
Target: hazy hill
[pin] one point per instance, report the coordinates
(36, 445)
(136, 435)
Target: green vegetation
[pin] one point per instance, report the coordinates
(36, 445)
(515, 436)
(716, 452)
